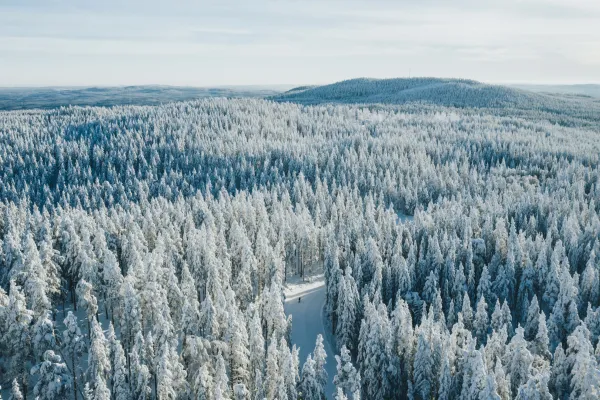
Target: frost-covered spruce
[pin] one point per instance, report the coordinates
(347, 377)
(53, 378)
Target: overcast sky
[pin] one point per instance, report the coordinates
(203, 43)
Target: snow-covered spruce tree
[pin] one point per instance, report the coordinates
(139, 371)
(484, 288)
(403, 341)
(532, 317)
(239, 358)
(256, 346)
(53, 378)
(190, 318)
(73, 346)
(87, 301)
(320, 358)
(347, 378)
(310, 389)
(120, 376)
(15, 391)
(541, 343)
(112, 282)
(50, 259)
(165, 388)
(553, 277)
(480, 323)
(423, 368)
(559, 378)
(346, 331)
(585, 372)
(374, 350)
(273, 379)
(16, 336)
(526, 292)
(535, 388)
(98, 360)
(445, 380)
(33, 276)
(467, 311)
(131, 321)
(288, 365)
(43, 335)
(339, 395)
(518, 360)
(240, 392)
(100, 390)
(590, 281)
(564, 317)
(333, 274)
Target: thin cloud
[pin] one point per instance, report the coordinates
(217, 43)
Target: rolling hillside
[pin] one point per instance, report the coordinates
(562, 109)
(53, 97)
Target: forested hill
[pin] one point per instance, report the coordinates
(54, 97)
(447, 92)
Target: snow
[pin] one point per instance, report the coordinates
(308, 322)
(405, 218)
(296, 287)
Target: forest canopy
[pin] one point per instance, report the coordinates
(144, 250)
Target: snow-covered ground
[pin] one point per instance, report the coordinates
(296, 287)
(405, 218)
(308, 322)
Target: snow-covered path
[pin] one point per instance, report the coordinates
(307, 323)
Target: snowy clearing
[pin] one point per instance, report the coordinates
(404, 218)
(308, 322)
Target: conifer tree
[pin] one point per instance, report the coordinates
(42, 334)
(480, 324)
(119, 376)
(34, 278)
(535, 388)
(320, 359)
(139, 371)
(113, 280)
(347, 378)
(445, 380)
(532, 321)
(98, 356)
(518, 360)
(309, 384)
(559, 378)
(467, 312)
(73, 347)
(131, 322)
(54, 380)
(541, 342)
(423, 368)
(17, 336)
(273, 378)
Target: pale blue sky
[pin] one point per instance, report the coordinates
(205, 43)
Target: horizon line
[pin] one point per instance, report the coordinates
(290, 85)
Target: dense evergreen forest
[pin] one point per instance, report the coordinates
(144, 251)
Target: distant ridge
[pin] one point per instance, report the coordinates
(584, 89)
(52, 97)
(300, 89)
(439, 91)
